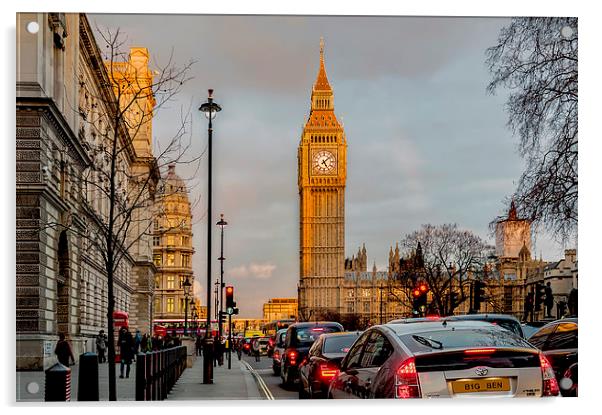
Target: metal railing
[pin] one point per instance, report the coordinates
(158, 371)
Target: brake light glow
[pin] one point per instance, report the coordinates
(328, 372)
(550, 384)
(276, 355)
(317, 329)
(292, 357)
(479, 351)
(407, 384)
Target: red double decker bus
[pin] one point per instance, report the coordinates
(162, 327)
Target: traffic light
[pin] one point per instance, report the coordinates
(222, 317)
(453, 299)
(478, 294)
(539, 295)
(419, 294)
(229, 296)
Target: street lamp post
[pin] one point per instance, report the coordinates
(193, 315)
(222, 223)
(210, 109)
(186, 286)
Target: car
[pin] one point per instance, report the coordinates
(247, 342)
(299, 338)
(279, 344)
(438, 359)
(322, 363)
(558, 341)
(529, 328)
(503, 320)
(263, 345)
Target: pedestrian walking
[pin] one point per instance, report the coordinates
(137, 341)
(101, 346)
(548, 299)
(63, 351)
(239, 349)
(126, 351)
(528, 306)
(198, 344)
(256, 350)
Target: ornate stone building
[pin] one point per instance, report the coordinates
(64, 105)
(322, 171)
(172, 249)
(279, 309)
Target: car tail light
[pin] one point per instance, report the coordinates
(550, 384)
(292, 357)
(479, 351)
(276, 355)
(406, 381)
(328, 372)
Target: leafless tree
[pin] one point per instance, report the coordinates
(117, 189)
(451, 258)
(536, 58)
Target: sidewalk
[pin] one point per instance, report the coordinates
(236, 383)
(33, 381)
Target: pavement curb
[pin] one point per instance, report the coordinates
(259, 381)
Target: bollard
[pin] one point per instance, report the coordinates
(58, 384)
(140, 376)
(87, 384)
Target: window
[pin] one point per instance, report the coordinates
(565, 337)
(171, 282)
(170, 240)
(171, 260)
(156, 240)
(157, 260)
(185, 260)
(185, 240)
(157, 282)
(377, 351)
(354, 355)
(182, 279)
(182, 305)
(156, 224)
(540, 337)
(170, 305)
(157, 309)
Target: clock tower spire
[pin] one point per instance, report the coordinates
(322, 173)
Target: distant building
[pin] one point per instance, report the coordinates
(172, 249)
(279, 309)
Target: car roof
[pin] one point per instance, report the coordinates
(562, 320)
(315, 323)
(421, 327)
(484, 316)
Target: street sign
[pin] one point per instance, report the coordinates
(230, 310)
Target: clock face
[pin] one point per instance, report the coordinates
(324, 162)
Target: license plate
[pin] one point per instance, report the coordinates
(481, 385)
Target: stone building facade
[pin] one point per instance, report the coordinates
(322, 171)
(279, 309)
(64, 101)
(172, 249)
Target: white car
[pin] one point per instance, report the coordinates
(443, 359)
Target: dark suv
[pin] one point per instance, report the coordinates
(558, 341)
(299, 338)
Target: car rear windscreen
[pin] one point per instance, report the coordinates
(338, 344)
(463, 338)
(306, 336)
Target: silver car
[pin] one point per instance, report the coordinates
(443, 359)
(279, 348)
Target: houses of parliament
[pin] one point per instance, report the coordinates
(330, 283)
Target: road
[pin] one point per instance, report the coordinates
(264, 369)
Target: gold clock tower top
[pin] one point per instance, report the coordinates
(322, 167)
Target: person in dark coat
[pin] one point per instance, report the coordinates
(548, 299)
(101, 346)
(63, 351)
(126, 351)
(198, 343)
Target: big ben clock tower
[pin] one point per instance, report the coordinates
(322, 169)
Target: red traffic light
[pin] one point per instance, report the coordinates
(416, 293)
(229, 290)
(423, 288)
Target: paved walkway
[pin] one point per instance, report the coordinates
(236, 383)
(30, 384)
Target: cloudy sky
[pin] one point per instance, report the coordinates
(426, 143)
